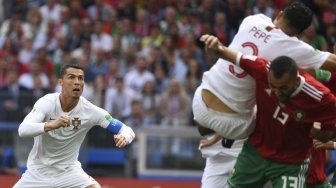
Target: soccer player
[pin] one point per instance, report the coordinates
(288, 102)
(225, 100)
(316, 176)
(59, 123)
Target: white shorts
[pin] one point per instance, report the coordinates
(228, 125)
(49, 177)
(217, 170)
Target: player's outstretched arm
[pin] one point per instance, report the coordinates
(330, 63)
(213, 44)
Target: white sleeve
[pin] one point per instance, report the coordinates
(104, 119)
(30, 126)
(304, 55)
(33, 124)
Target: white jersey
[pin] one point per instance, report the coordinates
(60, 147)
(258, 36)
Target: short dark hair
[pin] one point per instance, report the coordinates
(283, 65)
(67, 66)
(298, 16)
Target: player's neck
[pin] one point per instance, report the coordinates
(67, 103)
(281, 24)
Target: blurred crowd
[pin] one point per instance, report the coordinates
(143, 58)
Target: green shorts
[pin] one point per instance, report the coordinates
(253, 171)
(321, 185)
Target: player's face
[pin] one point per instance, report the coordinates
(72, 82)
(282, 87)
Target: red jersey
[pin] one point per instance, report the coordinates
(282, 131)
(316, 171)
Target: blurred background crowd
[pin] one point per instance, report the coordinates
(143, 58)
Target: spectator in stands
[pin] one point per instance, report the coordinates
(161, 80)
(16, 100)
(99, 39)
(193, 77)
(99, 11)
(26, 53)
(3, 68)
(175, 105)
(150, 101)
(137, 120)
(47, 65)
(118, 99)
(127, 36)
(136, 78)
(46, 38)
(98, 88)
(113, 73)
(74, 35)
(98, 64)
(142, 23)
(263, 7)
(35, 70)
(8, 161)
(312, 37)
(35, 22)
(51, 11)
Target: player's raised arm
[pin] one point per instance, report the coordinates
(212, 43)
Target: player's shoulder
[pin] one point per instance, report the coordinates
(258, 18)
(51, 97)
(312, 87)
(86, 104)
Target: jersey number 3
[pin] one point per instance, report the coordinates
(255, 52)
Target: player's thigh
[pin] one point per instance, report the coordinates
(288, 175)
(321, 185)
(75, 178)
(33, 179)
(228, 125)
(217, 170)
(249, 169)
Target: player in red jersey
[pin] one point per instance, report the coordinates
(316, 177)
(288, 103)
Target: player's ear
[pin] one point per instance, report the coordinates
(60, 81)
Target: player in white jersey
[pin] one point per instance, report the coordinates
(59, 123)
(225, 100)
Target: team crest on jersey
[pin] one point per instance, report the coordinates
(76, 122)
(299, 115)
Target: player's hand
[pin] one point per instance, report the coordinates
(320, 145)
(210, 141)
(120, 141)
(318, 134)
(211, 42)
(206, 143)
(62, 121)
